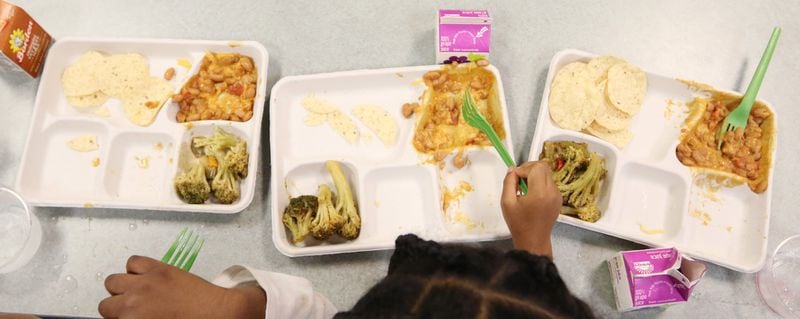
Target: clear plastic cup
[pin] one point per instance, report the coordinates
(20, 232)
(779, 281)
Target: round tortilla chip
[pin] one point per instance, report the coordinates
(81, 77)
(619, 138)
(573, 101)
(608, 116)
(626, 87)
(124, 75)
(599, 66)
(89, 100)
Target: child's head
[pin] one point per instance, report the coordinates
(430, 280)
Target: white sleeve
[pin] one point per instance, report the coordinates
(287, 296)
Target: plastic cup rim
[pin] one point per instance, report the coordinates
(29, 223)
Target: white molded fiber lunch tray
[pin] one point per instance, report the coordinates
(649, 197)
(396, 192)
(52, 174)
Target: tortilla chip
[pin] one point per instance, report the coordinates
(317, 105)
(141, 108)
(378, 121)
(573, 102)
(89, 100)
(345, 126)
(81, 77)
(626, 87)
(315, 119)
(599, 66)
(619, 138)
(123, 75)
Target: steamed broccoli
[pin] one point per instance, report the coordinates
(217, 144)
(327, 219)
(225, 185)
(192, 185)
(236, 158)
(297, 217)
(345, 202)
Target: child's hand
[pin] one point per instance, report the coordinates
(531, 217)
(152, 289)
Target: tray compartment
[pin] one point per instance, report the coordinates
(54, 170)
(137, 167)
(385, 89)
(651, 202)
(400, 200)
(477, 210)
(734, 217)
(657, 127)
(609, 154)
(305, 180)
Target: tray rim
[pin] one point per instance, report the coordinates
(542, 117)
(274, 183)
(240, 206)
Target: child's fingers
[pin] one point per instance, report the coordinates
(524, 169)
(118, 283)
(509, 196)
(540, 176)
(111, 306)
(141, 264)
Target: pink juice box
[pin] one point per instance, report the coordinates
(463, 35)
(653, 277)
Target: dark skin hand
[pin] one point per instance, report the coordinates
(152, 289)
(531, 217)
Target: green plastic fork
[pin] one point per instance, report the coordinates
(177, 254)
(475, 119)
(737, 119)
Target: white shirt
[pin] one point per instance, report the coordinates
(287, 296)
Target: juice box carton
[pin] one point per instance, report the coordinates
(23, 42)
(653, 277)
(463, 35)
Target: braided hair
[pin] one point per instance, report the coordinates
(430, 280)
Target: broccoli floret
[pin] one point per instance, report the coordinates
(297, 217)
(345, 203)
(216, 145)
(225, 185)
(236, 158)
(327, 219)
(192, 185)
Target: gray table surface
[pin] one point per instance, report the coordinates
(713, 42)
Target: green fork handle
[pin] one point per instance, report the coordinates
(501, 149)
(755, 84)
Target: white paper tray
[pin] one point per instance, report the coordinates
(647, 188)
(395, 192)
(51, 174)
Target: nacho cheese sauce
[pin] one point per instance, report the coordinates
(441, 127)
(223, 89)
(743, 150)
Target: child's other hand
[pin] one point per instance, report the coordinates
(531, 217)
(152, 289)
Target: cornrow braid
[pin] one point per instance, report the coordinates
(430, 280)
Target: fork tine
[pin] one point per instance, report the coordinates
(171, 249)
(181, 248)
(190, 262)
(186, 252)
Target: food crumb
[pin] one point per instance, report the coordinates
(729, 229)
(102, 112)
(234, 44)
(188, 125)
(465, 220)
(459, 161)
(409, 109)
(96, 162)
(184, 62)
(170, 160)
(417, 82)
(377, 204)
(399, 75)
(142, 162)
(158, 147)
(648, 231)
(88, 205)
(450, 196)
(169, 74)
